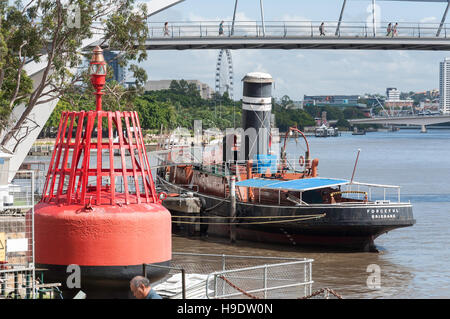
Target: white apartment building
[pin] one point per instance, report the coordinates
(392, 94)
(205, 91)
(444, 86)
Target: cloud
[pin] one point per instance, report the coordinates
(429, 20)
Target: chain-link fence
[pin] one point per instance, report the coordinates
(231, 276)
(17, 273)
(268, 281)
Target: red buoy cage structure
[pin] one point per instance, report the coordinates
(99, 208)
(83, 168)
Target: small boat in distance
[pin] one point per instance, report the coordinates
(325, 131)
(357, 132)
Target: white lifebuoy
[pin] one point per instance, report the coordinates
(301, 160)
(162, 196)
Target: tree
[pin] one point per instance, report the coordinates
(42, 26)
(286, 101)
(286, 118)
(343, 123)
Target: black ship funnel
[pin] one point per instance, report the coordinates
(256, 114)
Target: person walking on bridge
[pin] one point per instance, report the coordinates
(166, 29)
(389, 30)
(394, 30)
(322, 29)
(221, 28)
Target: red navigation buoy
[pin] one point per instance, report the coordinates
(99, 208)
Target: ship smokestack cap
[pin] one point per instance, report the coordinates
(258, 77)
(256, 114)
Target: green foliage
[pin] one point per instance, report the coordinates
(178, 106)
(154, 113)
(187, 106)
(10, 94)
(342, 123)
(286, 118)
(335, 113)
(31, 30)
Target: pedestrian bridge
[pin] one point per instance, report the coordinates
(296, 35)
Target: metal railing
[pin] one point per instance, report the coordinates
(386, 192)
(198, 156)
(287, 29)
(296, 164)
(262, 282)
(237, 276)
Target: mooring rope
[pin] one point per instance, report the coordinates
(251, 217)
(316, 293)
(238, 289)
(217, 205)
(249, 223)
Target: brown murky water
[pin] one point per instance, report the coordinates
(414, 262)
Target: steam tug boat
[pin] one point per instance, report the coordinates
(246, 190)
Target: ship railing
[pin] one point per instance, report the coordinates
(374, 192)
(211, 160)
(257, 167)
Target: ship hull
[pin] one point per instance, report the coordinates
(348, 227)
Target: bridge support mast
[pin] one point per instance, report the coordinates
(443, 19)
(234, 17)
(373, 19)
(340, 18)
(262, 18)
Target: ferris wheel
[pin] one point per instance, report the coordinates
(224, 73)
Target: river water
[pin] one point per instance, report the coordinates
(414, 261)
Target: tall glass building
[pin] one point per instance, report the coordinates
(444, 86)
(111, 59)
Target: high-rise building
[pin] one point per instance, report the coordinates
(112, 60)
(444, 86)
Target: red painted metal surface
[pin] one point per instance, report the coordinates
(104, 236)
(98, 209)
(99, 205)
(92, 163)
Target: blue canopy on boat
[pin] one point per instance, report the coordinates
(304, 184)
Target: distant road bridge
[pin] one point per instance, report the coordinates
(296, 35)
(421, 120)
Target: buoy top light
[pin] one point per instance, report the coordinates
(97, 70)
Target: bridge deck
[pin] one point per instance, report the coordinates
(287, 43)
(402, 120)
(296, 35)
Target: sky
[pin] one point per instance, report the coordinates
(311, 72)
